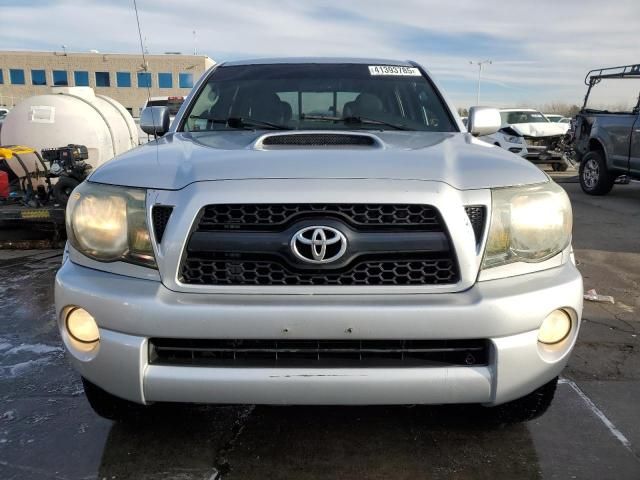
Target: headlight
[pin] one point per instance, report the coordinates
(528, 224)
(108, 224)
(513, 139)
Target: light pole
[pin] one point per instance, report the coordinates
(480, 64)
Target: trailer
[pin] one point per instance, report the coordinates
(25, 227)
(27, 216)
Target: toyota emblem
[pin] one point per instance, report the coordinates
(318, 244)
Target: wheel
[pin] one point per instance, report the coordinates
(110, 406)
(63, 188)
(528, 407)
(595, 179)
(559, 167)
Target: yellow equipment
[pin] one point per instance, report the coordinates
(11, 152)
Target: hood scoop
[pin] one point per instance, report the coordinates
(317, 140)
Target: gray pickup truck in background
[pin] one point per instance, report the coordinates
(607, 139)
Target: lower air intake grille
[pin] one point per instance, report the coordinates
(476, 214)
(160, 215)
(318, 140)
(311, 353)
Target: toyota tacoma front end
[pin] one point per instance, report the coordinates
(319, 232)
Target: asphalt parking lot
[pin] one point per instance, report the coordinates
(592, 430)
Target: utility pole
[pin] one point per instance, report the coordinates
(480, 64)
(195, 49)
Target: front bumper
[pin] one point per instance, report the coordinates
(508, 312)
(543, 153)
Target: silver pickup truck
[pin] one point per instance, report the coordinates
(607, 140)
(319, 231)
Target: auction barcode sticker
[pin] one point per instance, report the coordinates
(394, 70)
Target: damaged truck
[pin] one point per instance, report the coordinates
(607, 131)
(530, 134)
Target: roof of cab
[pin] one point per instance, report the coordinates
(289, 60)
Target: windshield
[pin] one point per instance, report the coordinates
(522, 116)
(318, 97)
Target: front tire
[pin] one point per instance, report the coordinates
(559, 167)
(528, 407)
(109, 406)
(595, 179)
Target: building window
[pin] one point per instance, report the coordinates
(60, 78)
(144, 80)
(165, 80)
(17, 76)
(38, 77)
(186, 80)
(1, 77)
(81, 78)
(102, 79)
(123, 79)
(130, 110)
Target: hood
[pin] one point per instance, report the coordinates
(539, 129)
(178, 159)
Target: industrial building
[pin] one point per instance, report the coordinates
(123, 77)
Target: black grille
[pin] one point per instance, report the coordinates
(476, 214)
(160, 215)
(248, 244)
(276, 216)
(319, 140)
(204, 270)
(312, 353)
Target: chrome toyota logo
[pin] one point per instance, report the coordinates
(318, 244)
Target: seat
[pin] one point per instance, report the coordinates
(267, 107)
(286, 112)
(365, 105)
(349, 109)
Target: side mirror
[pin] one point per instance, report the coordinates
(155, 121)
(483, 121)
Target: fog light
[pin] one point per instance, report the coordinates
(555, 327)
(82, 326)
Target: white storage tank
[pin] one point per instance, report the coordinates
(71, 115)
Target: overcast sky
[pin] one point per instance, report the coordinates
(540, 50)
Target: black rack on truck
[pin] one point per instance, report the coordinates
(596, 75)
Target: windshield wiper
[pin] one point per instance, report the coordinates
(244, 123)
(355, 120)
